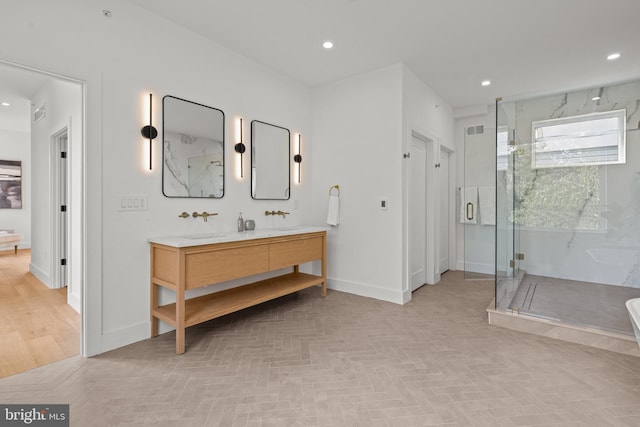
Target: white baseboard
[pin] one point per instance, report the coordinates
(125, 336)
(476, 267)
(40, 274)
(73, 300)
(367, 290)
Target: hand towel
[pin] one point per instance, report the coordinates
(333, 215)
(469, 205)
(487, 205)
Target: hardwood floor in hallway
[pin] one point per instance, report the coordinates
(37, 326)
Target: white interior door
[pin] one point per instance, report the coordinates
(445, 214)
(60, 229)
(417, 213)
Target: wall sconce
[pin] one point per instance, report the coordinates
(149, 132)
(298, 158)
(240, 148)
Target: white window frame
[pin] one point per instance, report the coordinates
(503, 150)
(570, 156)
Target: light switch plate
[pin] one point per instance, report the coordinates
(130, 203)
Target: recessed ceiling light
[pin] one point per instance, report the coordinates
(486, 82)
(327, 45)
(613, 56)
(5, 104)
(595, 98)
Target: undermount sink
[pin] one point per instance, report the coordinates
(204, 235)
(293, 227)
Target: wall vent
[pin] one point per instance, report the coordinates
(39, 113)
(475, 130)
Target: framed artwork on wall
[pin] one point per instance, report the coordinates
(10, 184)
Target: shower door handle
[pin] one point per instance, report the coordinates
(469, 205)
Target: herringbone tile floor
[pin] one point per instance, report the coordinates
(346, 361)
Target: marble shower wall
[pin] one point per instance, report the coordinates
(578, 223)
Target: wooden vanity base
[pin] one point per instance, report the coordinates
(183, 268)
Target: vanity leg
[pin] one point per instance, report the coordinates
(154, 306)
(179, 340)
(324, 267)
(180, 328)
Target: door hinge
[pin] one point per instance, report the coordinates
(519, 257)
(406, 155)
(63, 261)
(437, 165)
(63, 154)
(63, 208)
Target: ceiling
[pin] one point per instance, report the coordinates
(17, 86)
(525, 47)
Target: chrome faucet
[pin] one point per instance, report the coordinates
(204, 215)
(284, 214)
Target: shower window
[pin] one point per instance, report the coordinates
(589, 139)
(562, 199)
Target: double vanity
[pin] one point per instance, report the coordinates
(182, 263)
(193, 137)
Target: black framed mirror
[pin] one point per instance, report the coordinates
(193, 149)
(270, 165)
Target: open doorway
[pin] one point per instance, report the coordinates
(42, 283)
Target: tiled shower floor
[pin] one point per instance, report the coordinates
(578, 303)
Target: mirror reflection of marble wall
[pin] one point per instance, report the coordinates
(193, 153)
(270, 167)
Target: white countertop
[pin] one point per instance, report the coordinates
(230, 236)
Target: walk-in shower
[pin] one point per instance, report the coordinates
(567, 197)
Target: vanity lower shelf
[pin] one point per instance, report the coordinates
(181, 268)
(211, 306)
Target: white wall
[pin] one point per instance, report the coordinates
(357, 132)
(361, 128)
(15, 145)
(121, 60)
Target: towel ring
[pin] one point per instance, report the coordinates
(335, 187)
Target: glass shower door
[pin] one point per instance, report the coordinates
(506, 270)
(506, 232)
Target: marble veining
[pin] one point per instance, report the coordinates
(194, 166)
